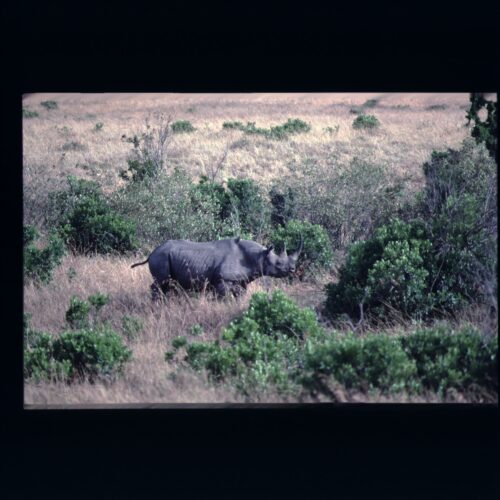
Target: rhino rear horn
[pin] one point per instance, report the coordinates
(283, 253)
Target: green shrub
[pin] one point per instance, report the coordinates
(365, 122)
(484, 131)
(27, 113)
(39, 362)
(179, 342)
(87, 222)
(284, 206)
(386, 272)
(182, 126)
(291, 126)
(373, 362)
(79, 313)
(98, 127)
(445, 358)
(317, 248)
(49, 105)
(444, 257)
(73, 146)
(249, 209)
(170, 206)
(215, 194)
(91, 352)
(262, 348)
(233, 125)
(459, 206)
(148, 156)
(370, 103)
(349, 201)
(39, 264)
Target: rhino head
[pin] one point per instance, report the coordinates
(280, 265)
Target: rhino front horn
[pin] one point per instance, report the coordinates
(295, 255)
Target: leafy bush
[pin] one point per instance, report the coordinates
(49, 104)
(373, 362)
(484, 131)
(215, 193)
(291, 126)
(27, 113)
(385, 272)
(182, 126)
(79, 313)
(262, 347)
(365, 122)
(170, 206)
(233, 125)
(87, 222)
(89, 351)
(444, 257)
(98, 127)
(148, 156)
(284, 207)
(73, 146)
(39, 264)
(459, 206)
(459, 359)
(349, 201)
(317, 248)
(370, 103)
(249, 209)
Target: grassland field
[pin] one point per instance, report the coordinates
(412, 126)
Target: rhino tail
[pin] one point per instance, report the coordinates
(139, 263)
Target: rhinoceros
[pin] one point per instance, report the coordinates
(226, 266)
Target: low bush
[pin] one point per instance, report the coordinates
(365, 122)
(262, 348)
(148, 156)
(98, 127)
(249, 209)
(459, 207)
(91, 352)
(27, 113)
(284, 205)
(442, 258)
(317, 248)
(39, 264)
(49, 105)
(170, 206)
(373, 362)
(349, 201)
(87, 352)
(453, 359)
(83, 313)
(73, 146)
(291, 126)
(484, 131)
(275, 345)
(389, 271)
(87, 222)
(182, 126)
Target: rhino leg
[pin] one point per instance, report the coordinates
(159, 290)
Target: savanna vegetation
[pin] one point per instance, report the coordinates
(394, 297)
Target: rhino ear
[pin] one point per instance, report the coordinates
(237, 239)
(269, 249)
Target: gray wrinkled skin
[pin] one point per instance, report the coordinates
(224, 265)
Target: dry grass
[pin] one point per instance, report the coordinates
(64, 141)
(409, 132)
